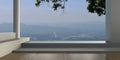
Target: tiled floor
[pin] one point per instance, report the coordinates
(53, 56)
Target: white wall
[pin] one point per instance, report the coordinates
(7, 36)
(8, 46)
(113, 20)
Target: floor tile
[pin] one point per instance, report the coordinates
(81, 56)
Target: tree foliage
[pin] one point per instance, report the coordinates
(94, 6)
(56, 3)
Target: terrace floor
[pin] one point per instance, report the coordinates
(61, 56)
(49, 56)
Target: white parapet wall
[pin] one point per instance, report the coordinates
(7, 36)
(8, 43)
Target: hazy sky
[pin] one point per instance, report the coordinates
(75, 12)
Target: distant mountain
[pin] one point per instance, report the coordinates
(63, 32)
(6, 27)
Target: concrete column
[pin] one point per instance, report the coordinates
(113, 21)
(108, 20)
(16, 16)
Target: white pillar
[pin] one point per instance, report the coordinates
(108, 20)
(16, 16)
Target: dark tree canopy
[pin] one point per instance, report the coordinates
(56, 3)
(94, 6)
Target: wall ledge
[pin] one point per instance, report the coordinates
(9, 45)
